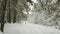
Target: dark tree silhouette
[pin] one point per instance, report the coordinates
(3, 5)
(9, 14)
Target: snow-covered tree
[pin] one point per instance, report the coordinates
(46, 12)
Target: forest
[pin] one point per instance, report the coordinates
(41, 12)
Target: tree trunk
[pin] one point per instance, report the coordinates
(14, 19)
(14, 10)
(4, 2)
(9, 14)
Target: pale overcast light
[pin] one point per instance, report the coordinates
(35, 1)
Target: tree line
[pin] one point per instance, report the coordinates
(12, 11)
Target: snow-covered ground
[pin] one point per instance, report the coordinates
(28, 29)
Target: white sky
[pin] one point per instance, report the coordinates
(35, 1)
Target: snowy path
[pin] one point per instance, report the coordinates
(29, 29)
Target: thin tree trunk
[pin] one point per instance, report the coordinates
(9, 15)
(15, 12)
(14, 19)
(4, 2)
